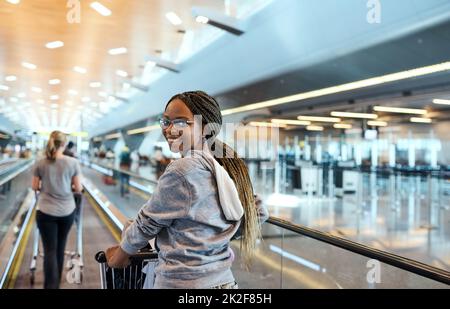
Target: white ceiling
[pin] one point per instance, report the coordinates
(140, 26)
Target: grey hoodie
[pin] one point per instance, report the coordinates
(194, 222)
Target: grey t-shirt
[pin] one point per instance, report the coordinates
(56, 198)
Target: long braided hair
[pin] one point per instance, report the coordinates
(200, 103)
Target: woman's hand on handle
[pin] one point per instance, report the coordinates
(116, 257)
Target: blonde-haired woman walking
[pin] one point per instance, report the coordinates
(56, 176)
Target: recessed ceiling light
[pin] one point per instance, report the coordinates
(13, 1)
(121, 73)
(319, 119)
(95, 84)
(102, 94)
(85, 99)
(54, 97)
(36, 89)
(202, 19)
(291, 122)
(80, 70)
(4, 87)
(400, 110)
(342, 126)
(28, 65)
(100, 8)
(11, 78)
(441, 102)
(314, 128)
(40, 101)
(267, 124)
(354, 115)
(21, 95)
(14, 99)
(54, 44)
(173, 18)
(420, 120)
(72, 92)
(117, 51)
(54, 81)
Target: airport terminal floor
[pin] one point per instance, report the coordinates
(329, 122)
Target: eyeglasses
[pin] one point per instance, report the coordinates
(177, 123)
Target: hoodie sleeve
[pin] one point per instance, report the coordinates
(171, 200)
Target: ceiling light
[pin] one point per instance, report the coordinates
(72, 92)
(121, 73)
(40, 101)
(54, 105)
(95, 84)
(173, 18)
(21, 95)
(354, 115)
(291, 122)
(54, 81)
(80, 70)
(420, 120)
(314, 128)
(54, 97)
(202, 19)
(28, 65)
(54, 44)
(4, 87)
(117, 51)
(388, 109)
(36, 89)
(13, 99)
(445, 66)
(143, 130)
(267, 124)
(373, 123)
(112, 136)
(100, 8)
(102, 94)
(342, 126)
(85, 99)
(11, 78)
(441, 101)
(13, 1)
(319, 119)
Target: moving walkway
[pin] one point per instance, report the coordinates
(289, 256)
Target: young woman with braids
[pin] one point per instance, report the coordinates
(55, 176)
(201, 202)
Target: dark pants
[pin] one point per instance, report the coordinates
(124, 183)
(54, 231)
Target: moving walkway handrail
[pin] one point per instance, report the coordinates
(17, 172)
(18, 243)
(134, 175)
(412, 266)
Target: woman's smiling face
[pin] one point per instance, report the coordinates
(180, 139)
